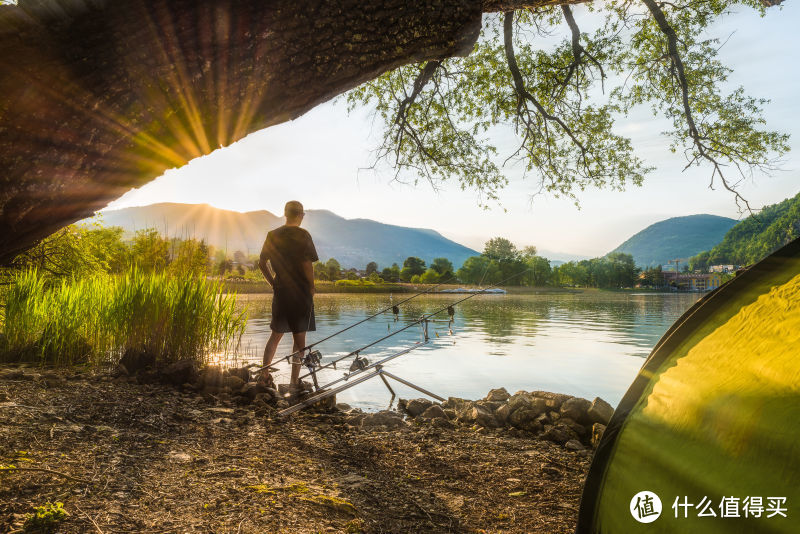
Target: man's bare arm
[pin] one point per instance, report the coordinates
(308, 270)
(262, 264)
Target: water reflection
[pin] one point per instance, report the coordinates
(584, 343)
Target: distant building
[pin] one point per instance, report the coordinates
(693, 281)
(722, 268)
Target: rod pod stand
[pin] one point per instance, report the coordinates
(377, 370)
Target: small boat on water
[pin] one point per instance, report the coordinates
(494, 291)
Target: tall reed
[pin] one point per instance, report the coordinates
(97, 319)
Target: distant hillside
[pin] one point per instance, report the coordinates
(353, 242)
(678, 237)
(758, 235)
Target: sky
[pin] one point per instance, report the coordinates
(322, 157)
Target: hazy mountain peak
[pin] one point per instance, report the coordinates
(353, 242)
(676, 238)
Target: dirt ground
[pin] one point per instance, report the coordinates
(129, 457)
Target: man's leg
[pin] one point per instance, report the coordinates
(272, 346)
(299, 343)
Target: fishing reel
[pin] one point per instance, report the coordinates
(313, 360)
(359, 364)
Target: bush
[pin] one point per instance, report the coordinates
(354, 283)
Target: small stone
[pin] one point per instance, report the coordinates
(135, 361)
(574, 445)
(252, 389)
(576, 408)
(179, 372)
(502, 414)
(597, 433)
(240, 372)
(576, 427)
(234, 383)
(434, 412)
(557, 434)
(557, 398)
(525, 418)
(600, 411)
(489, 405)
(210, 377)
(517, 401)
(416, 407)
(483, 417)
(498, 395)
(391, 420)
(343, 407)
(455, 403)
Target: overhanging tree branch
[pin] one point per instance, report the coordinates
(523, 95)
(678, 73)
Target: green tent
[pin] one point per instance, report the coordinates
(711, 424)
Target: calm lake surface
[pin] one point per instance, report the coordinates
(587, 344)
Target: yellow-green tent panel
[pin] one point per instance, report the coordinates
(712, 421)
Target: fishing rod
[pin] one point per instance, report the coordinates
(392, 307)
(376, 369)
(422, 318)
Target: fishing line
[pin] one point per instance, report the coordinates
(421, 319)
(391, 307)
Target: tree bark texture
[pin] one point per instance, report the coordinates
(98, 96)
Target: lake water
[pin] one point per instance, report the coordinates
(588, 344)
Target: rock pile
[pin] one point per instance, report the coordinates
(235, 384)
(573, 422)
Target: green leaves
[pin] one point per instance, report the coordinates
(557, 106)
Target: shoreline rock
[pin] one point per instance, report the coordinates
(575, 423)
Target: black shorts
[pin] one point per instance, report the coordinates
(292, 312)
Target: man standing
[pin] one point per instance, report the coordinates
(290, 252)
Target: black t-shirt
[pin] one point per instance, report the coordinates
(287, 248)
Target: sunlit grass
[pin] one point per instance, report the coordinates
(97, 319)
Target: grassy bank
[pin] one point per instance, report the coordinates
(95, 320)
(251, 287)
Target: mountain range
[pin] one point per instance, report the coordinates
(353, 242)
(676, 238)
(356, 242)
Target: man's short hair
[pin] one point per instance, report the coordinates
(293, 209)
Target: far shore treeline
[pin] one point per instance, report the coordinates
(79, 251)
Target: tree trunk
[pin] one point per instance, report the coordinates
(99, 96)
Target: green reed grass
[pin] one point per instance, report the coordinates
(97, 319)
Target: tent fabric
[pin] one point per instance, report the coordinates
(713, 417)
